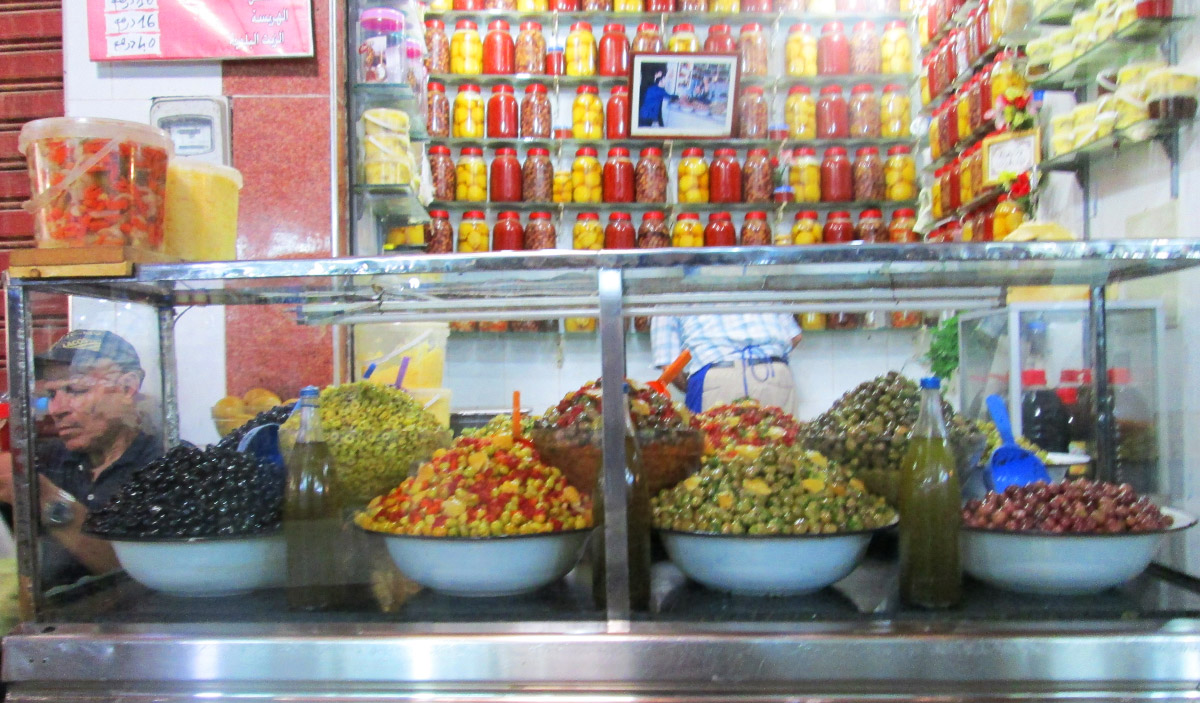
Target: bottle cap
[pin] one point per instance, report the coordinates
(754, 90)
(689, 216)
(443, 214)
(832, 27)
(803, 89)
(839, 214)
(472, 151)
(648, 27)
(502, 88)
(899, 149)
(870, 212)
(756, 215)
(651, 151)
(437, 87)
(892, 88)
(506, 151)
(1033, 377)
(614, 28)
(539, 151)
(862, 88)
(895, 24)
(725, 152)
(806, 215)
(581, 27)
(1069, 395)
(867, 151)
(620, 90)
(808, 151)
(473, 215)
(758, 152)
(931, 382)
(683, 28)
(904, 212)
(531, 26)
(535, 88)
(693, 151)
(802, 27)
(498, 26)
(439, 149)
(586, 151)
(864, 26)
(468, 88)
(831, 89)
(618, 216)
(652, 215)
(583, 89)
(836, 151)
(719, 29)
(435, 24)
(508, 215)
(618, 151)
(719, 217)
(466, 24)
(588, 216)
(309, 392)
(539, 216)
(752, 27)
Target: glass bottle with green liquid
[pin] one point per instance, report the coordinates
(930, 510)
(312, 514)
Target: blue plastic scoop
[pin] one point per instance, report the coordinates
(1011, 465)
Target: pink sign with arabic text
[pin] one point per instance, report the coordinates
(158, 30)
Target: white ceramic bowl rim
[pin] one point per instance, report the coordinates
(186, 540)
(841, 533)
(1181, 521)
(465, 540)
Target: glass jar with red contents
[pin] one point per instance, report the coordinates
(985, 217)
(467, 5)
(956, 44)
(984, 79)
(650, 177)
(755, 230)
(833, 50)
(535, 112)
(506, 176)
(437, 47)
(499, 51)
(932, 85)
(614, 51)
(531, 49)
(537, 176)
(756, 5)
(753, 113)
(839, 228)
(720, 231)
(616, 113)
(508, 235)
(441, 169)
(865, 52)
(620, 234)
(941, 65)
(502, 113)
(648, 39)
(954, 183)
(837, 176)
(866, 118)
(618, 177)
(971, 28)
(720, 40)
(564, 5)
(437, 111)
(757, 177)
(871, 229)
(948, 126)
(833, 114)
(725, 177)
(653, 233)
(660, 5)
(556, 62)
(900, 230)
(943, 191)
(974, 104)
(753, 49)
(868, 175)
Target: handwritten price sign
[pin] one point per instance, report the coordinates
(1012, 153)
(154, 30)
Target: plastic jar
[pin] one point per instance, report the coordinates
(691, 5)
(833, 51)
(804, 175)
(564, 5)
(439, 234)
(757, 177)
(616, 114)
(871, 229)
(441, 171)
(437, 111)
(537, 176)
(506, 176)
(625, 6)
(895, 49)
(864, 49)
(755, 230)
(540, 233)
(650, 177)
(833, 114)
(951, 187)
(530, 52)
(839, 229)
(725, 177)
(587, 114)
(556, 64)
(683, 40)
(466, 49)
(868, 174)
(595, 6)
(502, 5)
(586, 234)
(800, 51)
(753, 113)
(508, 234)
(562, 186)
(620, 234)
(614, 51)
(499, 53)
(900, 230)
(805, 230)
(800, 113)
(865, 117)
(962, 113)
(380, 60)
(648, 39)
(586, 177)
(1006, 218)
(660, 5)
(580, 52)
(895, 113)
(900, 174)
(437, 47)
(653, 232)
(1155, 8)
(535, 112)
(618, 177)
(752, 50)
(837, 176)
(725, 7)
(502, 113)
(533, 6)
(720, 40)
(966, 185)
(693, 177)
(472, 233)
(719, 232)
(687, 231)
(468, 112)
(1170, 93)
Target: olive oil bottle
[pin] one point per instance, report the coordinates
(312, 515)
(930, 510)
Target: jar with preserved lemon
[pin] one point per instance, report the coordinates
(693, 177)
(472, 233)
(1007, 217)
(470, 176)
(895, 112)
(806, 229)
(580, 51)
(804, 175)
(587, 233)
(800, 51)
(732, 7)
(1005, 75)
(468, 112)
(895, 49)
(466, 49)
(587, 113)
(562, 186)
(966, 185)
(683, 40)
(800, 113)
(586, 177)
(688, 231)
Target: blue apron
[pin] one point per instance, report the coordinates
(751, 356)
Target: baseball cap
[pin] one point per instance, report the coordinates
(83, 348)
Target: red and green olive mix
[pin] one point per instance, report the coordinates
(581, 409)
(747, 422)
(1081, 506)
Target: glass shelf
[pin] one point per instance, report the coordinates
(963, 144)
(570, 83)
(391, 202)
(672, 209)
(1124, 45)
(1111, 145)
(667, 19)
(635, 145)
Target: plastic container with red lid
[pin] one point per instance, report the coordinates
(720, 231)
(508, 234)
(502, 113)
(833, 114)
(725, 177)
(833, 50)
(720, 40)
(620, 233)
(693, 151)
(471, 151)
(506, 180)
(614, 51)
(618, 177)
(587, 89)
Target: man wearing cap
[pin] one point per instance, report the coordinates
(90, 379)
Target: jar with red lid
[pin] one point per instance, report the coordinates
(580, 54)
(439, 234)
(833, 51)
(683, 39)
(833, 114)
(971, 29)
(719, 231)
(614, 51)
(473, 233)
(556, 62)
(620, 234)
(948, 126)
(508, 235)
(871, 229)
(650, 177)
(756, 232)
(837, 176)
(975, 103)
(595, 6)
(756, 5)
(929, 86)
(660, 5)
(506, 176)
(868, 174)
(757, 177)
(752, 50)
(587, 113)
(864, 49)
(720, 40)
(441, 171)
(839, 228)
(865, 115)
(983, 33)
(564, 5)
(587, 177)
(691, 6)
(653, 233)
(900, 230)
(540, 232)
(753, 113)
(502, 113)
(687, 231)
(499, 52)
(648, 39)
(437, 47)
(437, 111)
(502, 5)
(537, 176)
(618, 177)
(954, 184)
(725, 177)
(804, 175)
(941, 69)
(535, 112)
(467, 5)
(616, 113)
(468, 112)
(530, 49)
(800, 51)
(692, 177)
(984, 223)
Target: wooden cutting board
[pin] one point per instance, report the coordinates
(81, 262)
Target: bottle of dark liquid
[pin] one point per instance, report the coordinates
(312, 515)
(1043, 419)
(930, 510)
(1136, 440)
(1081, 420)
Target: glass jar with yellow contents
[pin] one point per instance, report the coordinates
(693, 177)
(688, 231)
(800, 113)
(586, 177)
(466, 49)
(683, 40)
(587, 234)
(806, 229)
(470, 176)
(800, 51)
(562, 186)
(895, 48)
(587, 113)
(1007, 217)
(472, 233)
(580, 51)
(468, 112)
(804, 175)
(895, 112)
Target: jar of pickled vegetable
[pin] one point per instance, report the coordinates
(586, 234)
(900, 173)
(439, 235)
(502, 113)
(683, 40)
(756, 232)
(935, 195)
(949, 135)
(756, 6)
(580, 52)
(894, 112)
(437, 47)
(648, 40)
(1005, 74)
(757, 177)
(564, 5)
(499, 53)
(472, 233)
(804, 175)
(556, 64)
(530, 49)
(502, 5)
(693, 177)
(562, 186)
(437, 110)
(833, 114)
(800, 113)
(687, 232)
(900, 230)
(650, 177)
(540, 233)
(653, 232)
(935, 134)
(864, 111)
(616, 113)
(537, 176)
(864, 49)
(868, 174)
(753, 113)
(720, 40)
(441, 170)
(595, 6)
(466, 49)
(506, 176)
(965, 183)
(508, 234)
(805, 230)
(535, 112)
(951, 187)
(586, 177)
(618, 176)
(614, 51)
(752, 50)
(962, 112)
(967, 224)
(533, 6)
(725, 177)
(1006, 217)
(800, 51)
(620, 234)
(719, 232)
(626, 6)
(895, 49)
(468, 112)
(837, 176)
(871, 229)
(839, 229)
(587, 114)
(833, 51)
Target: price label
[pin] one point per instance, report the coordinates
(134, 45)
(1013, 154)
(130, 22)
(127, 5)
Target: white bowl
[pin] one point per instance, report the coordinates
(1064, 564)
(205, 566)
(773, 565)
(486, 566)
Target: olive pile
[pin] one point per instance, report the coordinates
(191, 492)
(501, 424)
(578, 417)
(769, 490)
(1082, 506)
(276, 415)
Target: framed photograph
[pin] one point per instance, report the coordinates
(688, 96)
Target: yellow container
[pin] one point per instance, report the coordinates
(386, 344)
(200, 222)
(1062, 133)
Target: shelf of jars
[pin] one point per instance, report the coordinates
(945, 24)
(667, 145)
(671, 210)
(1136, 40)
(977, 201)
(559, 82)
(961, 147)
(1109, 145)
(986, 57)
(549, 17)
